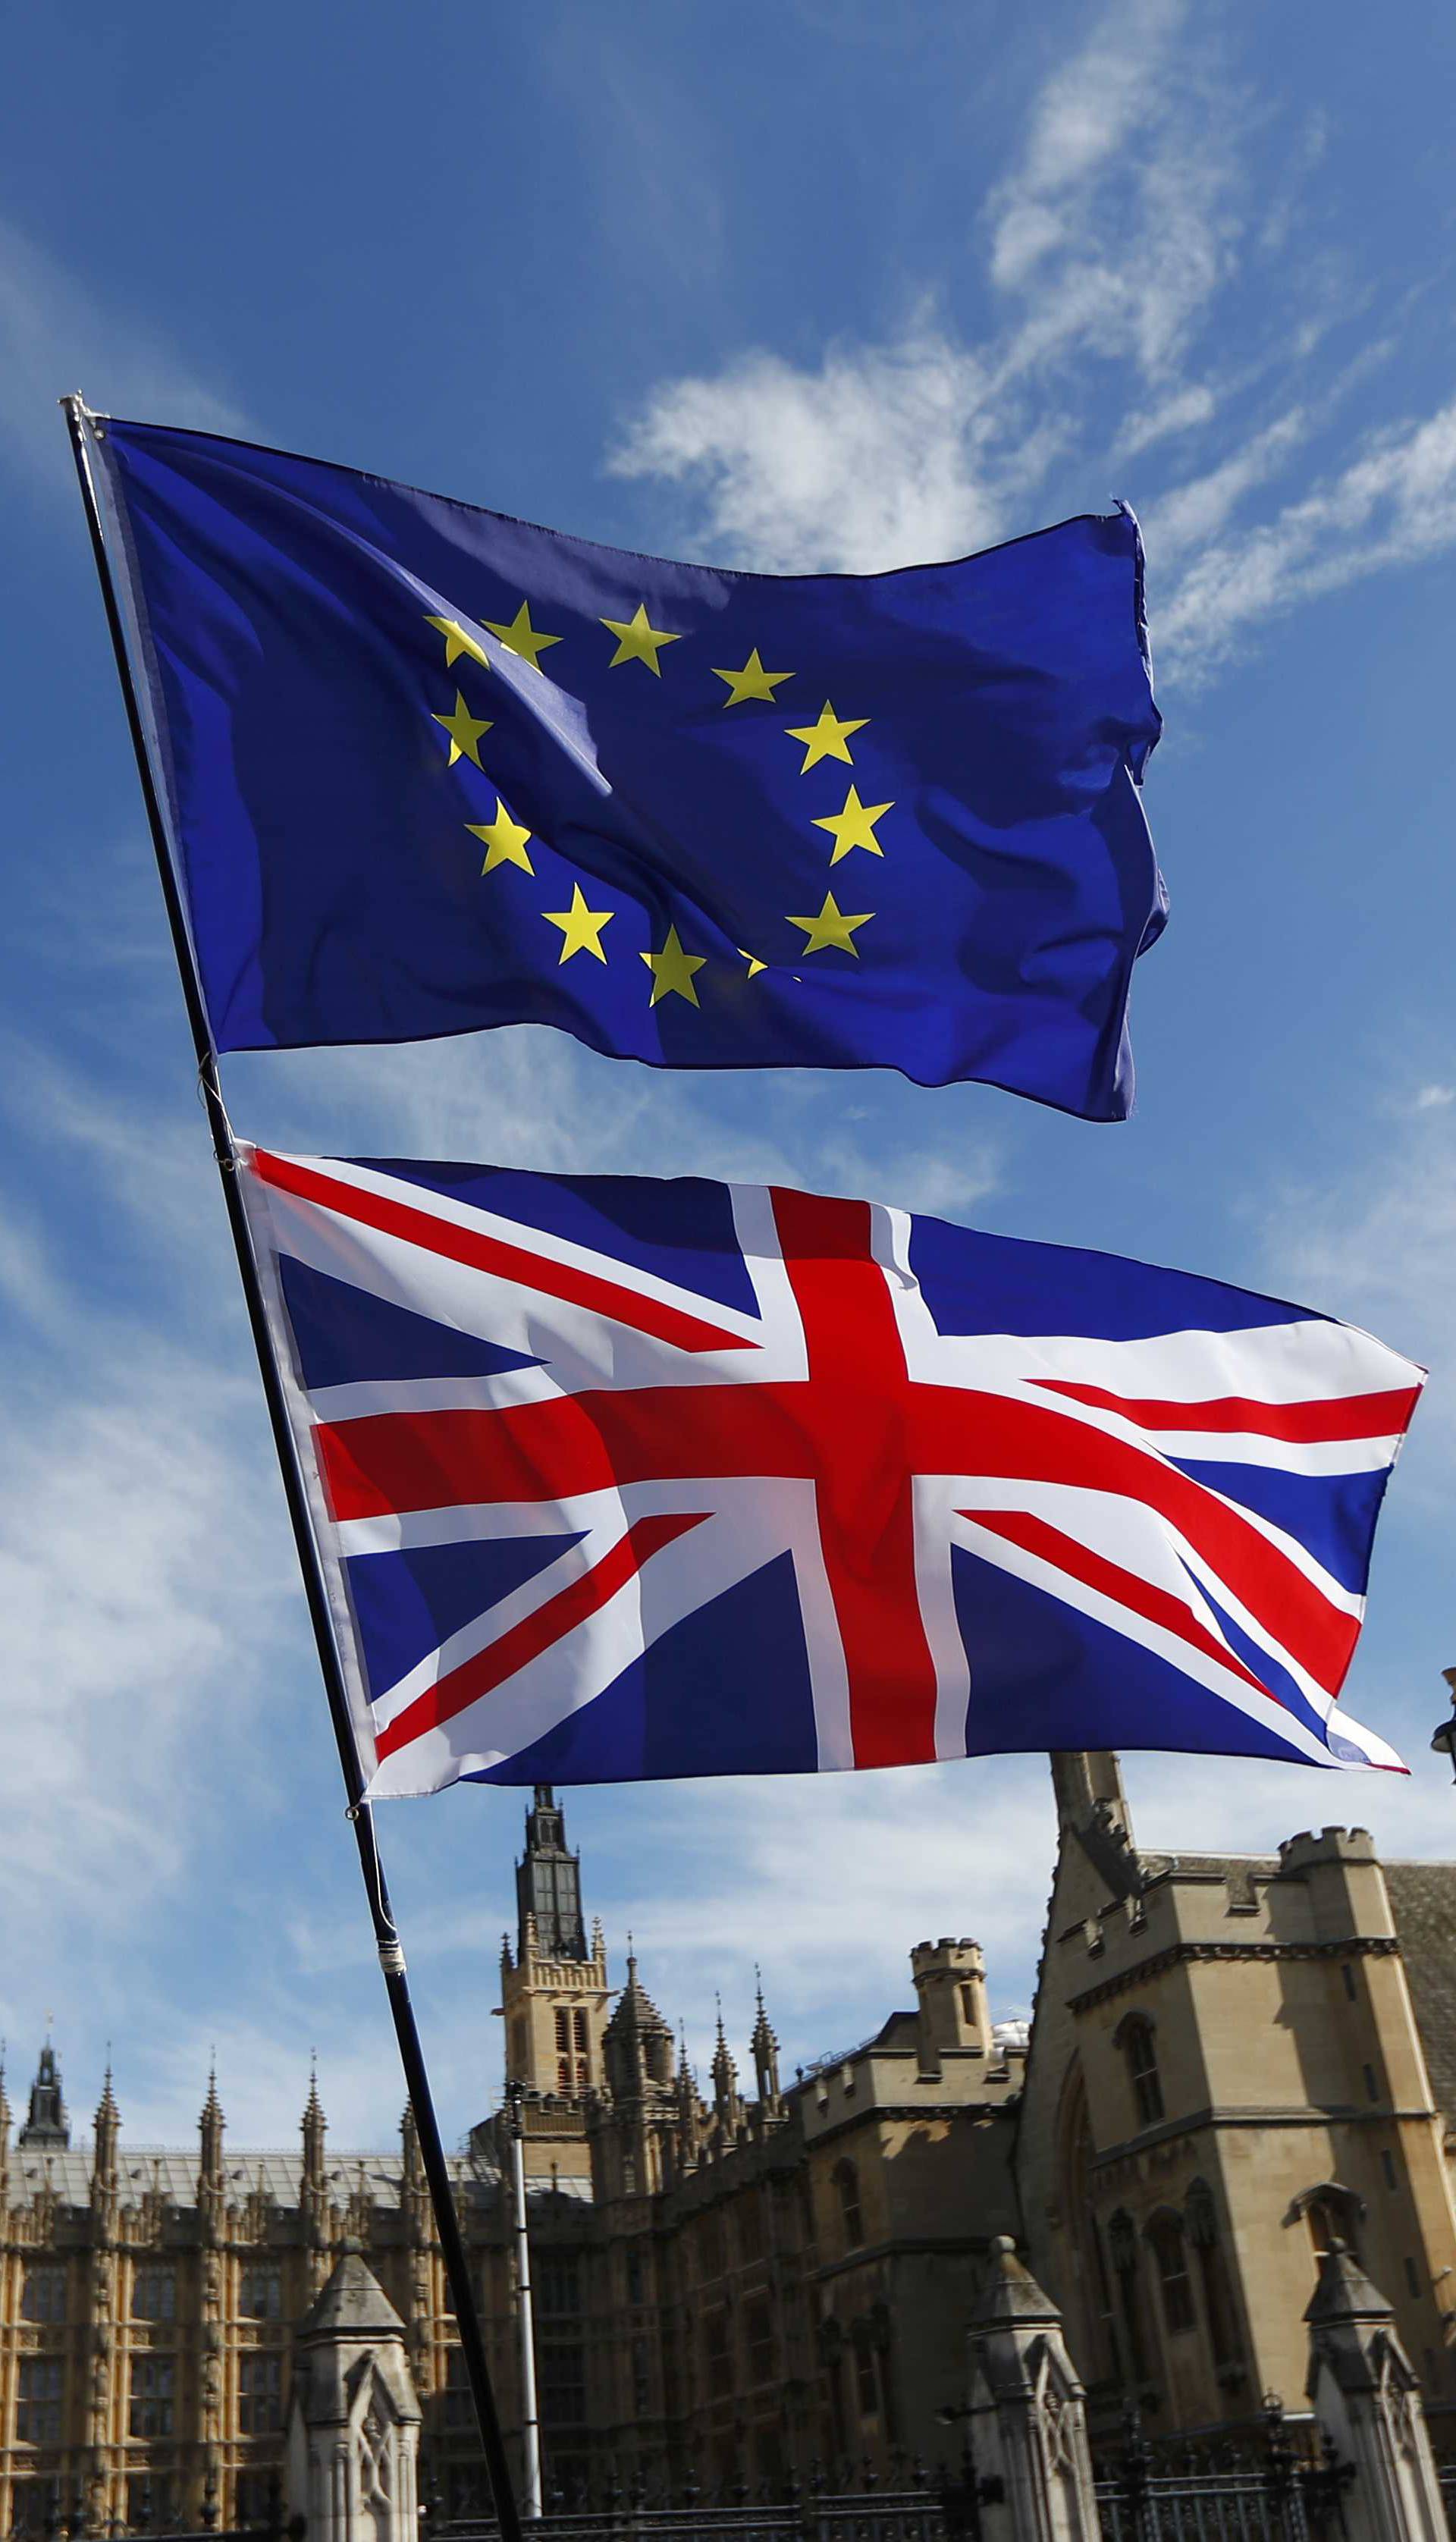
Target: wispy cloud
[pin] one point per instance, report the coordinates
(55, 336)
(1394, 504)
(1126, 227)
(1375, 1243)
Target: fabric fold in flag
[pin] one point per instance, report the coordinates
(616, 1478)
(429, 770)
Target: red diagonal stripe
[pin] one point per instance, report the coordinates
(1353, 1416)
(1032, 1442)
(1158, 1605)
(483, 1252)
(535, 1633)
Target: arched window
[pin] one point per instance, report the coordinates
(1122, 2241)
(1170, 2258)
(1200, 2217)
(1139, 2047)
(866, 2379)
(1332, 2214)
(846, 2183)
(1094, 2330)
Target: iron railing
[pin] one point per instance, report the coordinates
(1275, 2479)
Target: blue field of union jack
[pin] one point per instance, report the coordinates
(619, 1478)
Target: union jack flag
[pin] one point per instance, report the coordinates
(617, 1479)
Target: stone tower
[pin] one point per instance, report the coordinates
(554, 1993)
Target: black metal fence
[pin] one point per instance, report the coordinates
(1275, 2479)
(810, 2514)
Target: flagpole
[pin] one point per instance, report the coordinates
(359, 1812)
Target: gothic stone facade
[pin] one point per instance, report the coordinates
(739, 2283)
(1232, 2063)
(1236, 2060)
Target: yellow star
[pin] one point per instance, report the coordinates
(829, 738)
(581, 927)
(671, 970)
(505, 841)
(465, 730)
(754, 965)
(753, 681)
(456, 641)
(638, 640)
(832, 928)
(522, 638)
(854, 827)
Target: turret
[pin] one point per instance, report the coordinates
(47, 2124)
(950, 1981)
(637, 2044)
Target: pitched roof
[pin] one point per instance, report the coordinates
(351, 2300)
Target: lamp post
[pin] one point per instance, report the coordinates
(529, 2424)
(1443, 1738)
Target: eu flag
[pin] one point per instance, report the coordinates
(429, 769)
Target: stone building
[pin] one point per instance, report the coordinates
(1232, 2061)
(737, 2278)
(1236, 2060)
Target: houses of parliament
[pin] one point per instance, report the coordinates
(1232, 2059)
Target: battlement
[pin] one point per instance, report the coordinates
(1332, 1845)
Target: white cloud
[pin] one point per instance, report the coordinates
(868, 461)
(143, 1568)
(1126, 223)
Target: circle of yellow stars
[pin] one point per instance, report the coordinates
(507, 840)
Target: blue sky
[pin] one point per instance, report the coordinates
(802, 285)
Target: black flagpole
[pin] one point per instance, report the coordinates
(359, 1812)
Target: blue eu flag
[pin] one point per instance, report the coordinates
(430, 769)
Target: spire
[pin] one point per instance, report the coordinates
(210, 2128)
(687, 2097)
(548, 1884)
(413, 2159)
(725, 2078)
(107, 2130)
(314, 2125)
(766, 2050)
(47, 2122)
